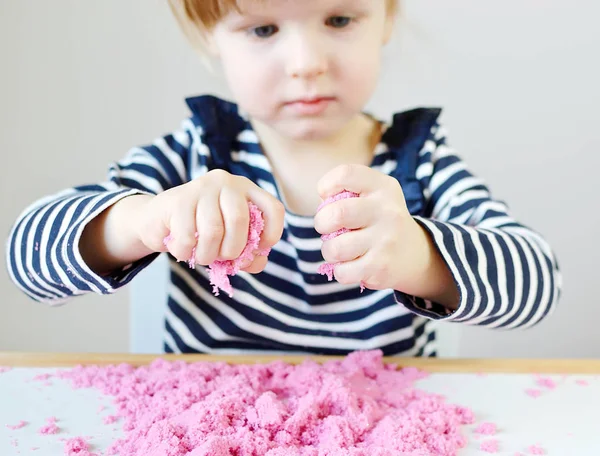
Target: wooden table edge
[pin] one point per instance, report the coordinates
(450, 365)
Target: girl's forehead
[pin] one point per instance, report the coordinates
(258, 6)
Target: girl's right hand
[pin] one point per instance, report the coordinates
(209, 214)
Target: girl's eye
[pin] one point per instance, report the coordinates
(338, 21)
(264, 31)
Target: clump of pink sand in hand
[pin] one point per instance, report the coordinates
(167, 239)
(219, 270)
(357, 406)
(50, 427)
(328, 268)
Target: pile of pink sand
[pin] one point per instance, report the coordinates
(357, 406)
(50, 427)
(78, 446)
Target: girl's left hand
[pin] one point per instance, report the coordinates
(386, 247)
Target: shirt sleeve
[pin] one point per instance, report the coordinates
(507, 274)
(43, 256)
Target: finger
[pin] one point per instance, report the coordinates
(181, 240)
(210, 228)
(273, 214)
(346, 247)
(349, 272)
(351, 177)
(157, 236)
(236, 218)
(258, 265)
(351, 213)
(366, 271)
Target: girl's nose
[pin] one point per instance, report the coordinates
(306, 57)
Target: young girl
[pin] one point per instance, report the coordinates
(420, 238)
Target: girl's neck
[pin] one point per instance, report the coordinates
(354, 143)
(298, 166)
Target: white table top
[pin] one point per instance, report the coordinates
(563, 421)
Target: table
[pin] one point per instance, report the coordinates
(562, 420)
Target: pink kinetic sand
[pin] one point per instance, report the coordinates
(110, 419)
(192, 260)
(50, 427)
(533, 392)
(168, 239)
(218, 271)
(41, 377)
(489, 446)
(546, 382)
(19, 425)
(4, 369)
(77, 446)
(328, 268)
(536, 449)
(357, 406)
(486, 429)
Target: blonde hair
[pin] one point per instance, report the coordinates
(198, 17)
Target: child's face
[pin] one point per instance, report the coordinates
(303, 67)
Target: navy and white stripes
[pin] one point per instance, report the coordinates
(506, 273)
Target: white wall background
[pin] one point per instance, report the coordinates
(83, 81)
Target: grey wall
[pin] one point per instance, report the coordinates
(81, 82)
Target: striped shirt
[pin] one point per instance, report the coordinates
(506, 273)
